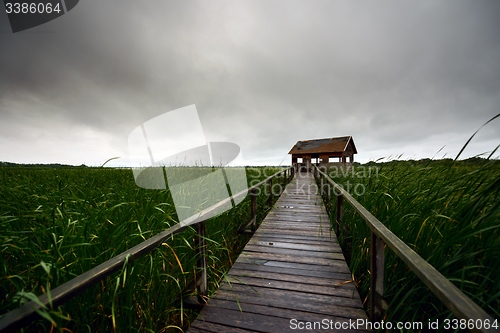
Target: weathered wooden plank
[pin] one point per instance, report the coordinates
(294, 252)
(309, 214)
(297, 243)
(287, 210)
(289, 299)
(280, 276)
(298, 220)
(343, 290)
(294, 207)
(318, 233)
(199, 326)
(292, 245)
(342, 314)
(324, 274)
(292, 258)
(298, 239)
(242, 320)
(319, 229)
(295, 239)
(338, 265)
(297, 224)
(311, 211)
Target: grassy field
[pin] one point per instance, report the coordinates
(57, 223)
(448, 212)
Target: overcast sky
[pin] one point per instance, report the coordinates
(400, 77)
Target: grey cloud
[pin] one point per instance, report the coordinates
(263, 74)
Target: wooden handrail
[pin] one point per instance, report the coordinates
(26, 313)
(452, 297)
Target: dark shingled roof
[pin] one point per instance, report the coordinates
(328, 145)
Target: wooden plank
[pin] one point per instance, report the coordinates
(343, 290)
(338, 265)
(199, 326)
(304, 279)
(291, 269)
(292, 245)
(305, 223)
(318, 229)
(294, 252)
(323, 304)
(328, 274)
(313, 211)
(286, 313)
(297, 239)
(292, 258)
(242, 320)
(320, 233)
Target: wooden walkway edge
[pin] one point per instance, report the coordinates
(291, 275)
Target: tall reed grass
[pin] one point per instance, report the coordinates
(447, 211)
(58, 223)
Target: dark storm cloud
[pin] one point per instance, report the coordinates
(262, 74)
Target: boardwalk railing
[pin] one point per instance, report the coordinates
(452, 297)
(25, 314)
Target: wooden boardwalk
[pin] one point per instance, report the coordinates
(291, 275)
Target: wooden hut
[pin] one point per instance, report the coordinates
(321, 151)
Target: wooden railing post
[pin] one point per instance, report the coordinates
(327, 193)
(283, 182)
(338, 221)
(253, 209)
(377, 303)
(201, 255)
(270, 199)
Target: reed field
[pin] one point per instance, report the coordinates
(56, 223)
(447, 211)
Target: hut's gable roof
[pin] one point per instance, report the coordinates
(328, 145)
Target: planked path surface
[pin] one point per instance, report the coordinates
(292, 272)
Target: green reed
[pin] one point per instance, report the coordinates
(58, 223)
(447, 211)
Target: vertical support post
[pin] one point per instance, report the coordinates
(377, 303)
(201, 263)
(321, 186)
(327, 194)
(270, 199)
(283, 182)
(253, 209)
(340, 199)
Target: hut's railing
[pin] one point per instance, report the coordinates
(452, 297)
(26, 313)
